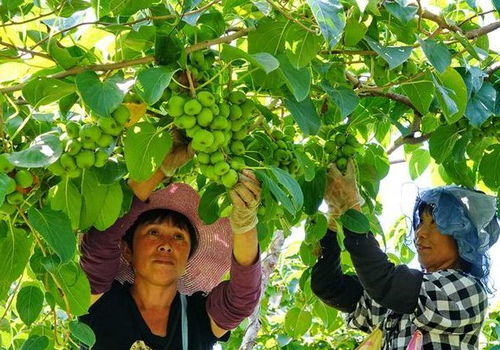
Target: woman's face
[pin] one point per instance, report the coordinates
(160, 252)
(435, 250)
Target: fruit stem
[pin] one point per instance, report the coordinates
(191, 85)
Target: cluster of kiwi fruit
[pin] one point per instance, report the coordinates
(17, 183)
(340, 147)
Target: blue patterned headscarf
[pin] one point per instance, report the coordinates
(468, 216)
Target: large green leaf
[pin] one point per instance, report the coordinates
(393, 55)
(262, 60)
(102, 97)
(419, 161)
(459, 172)
(437, 54)
(66, 197)
(44, 150)
(15, 250)
(35, 342)
(151, 82)
(269, 36)
(315, 228)
(481, 105)
(344, 98)
(283, 187)
(451, 94)
(145, 148)
(75, 286)
(420, 94)
(355, 221)
(43, 91)
(208, 209)
(306, 164)
(82, 332)
(313, 191)
(330, 16)
(55, 229)
(488, 168)
(297, 322)
(304, 114)
(297, 80)
(29, 304)
(442, 141)
(292, 187)
(401, 10)
(301, 46)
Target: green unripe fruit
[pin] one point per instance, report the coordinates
(209, 172)
(221, 168)
(280, 155)
(195, 73)
(237, 163)
(90, 132)
(224, 109)
(192, 131)
(212, 148)
(85, 159)
(56, 168)
(238, 148)
(219, 123)
(348, 150)
(185, 121)
(121, 115)
(197, 58)
(73, 147)
(277, 134)
(216, 157)
(351, 140)
(108, 126)
(192, 107)
(340, 139)
(237, 97)
(5, 165)
(89, 145)
(227, 137)
(7, 209)
(72, 129)
(236, 125)
(10, 185)
(247, 108)
(240, 134)
(101, 158)
(289, 131)
(203, 158)
(24, 178)
(205, 117)
(230, 178)
(175, 106)
(219, 137)
(235, 112)
(330, 146)
(67, 162)
(206, 98)
(75, 173)
(15, 198)
(105, 140)
(215, 109)
(281, 144)
(202, 140)
(341, 163)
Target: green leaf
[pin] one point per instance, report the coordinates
(301, 46)
(4, 184)
(306, 254)
(75, 286)
(208, 209)
(262, 60)
(420, 94)
(65, 197)
(354, 31)
(101, 97)
(442, 141)
(145, 149)
(327, 314)
(288, 194)
(393, 55)
(43, 91)
(355, 221)
(29, 304)
(269, 36)
(419, 161)
(344, 98)
(292, 187)
(330, 17)
(403, 13)
(315, 228)
(82, 332)
(496, 3)
(437, 54)
(15, 250)
(451, 94)
(306, 164)
(36, 342)
(304, 114)
(459, 172)
(297, 322)
(314, 191)
(297, 80)
(488, 168)
(151, 83)
(44, 150)
(55, 229)
(481, 105)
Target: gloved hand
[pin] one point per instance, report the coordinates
(179, 155)
(245, 196)
(341, 193)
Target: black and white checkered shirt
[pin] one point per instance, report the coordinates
(450, 311)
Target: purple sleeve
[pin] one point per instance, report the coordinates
(100, 257)
(232, 301)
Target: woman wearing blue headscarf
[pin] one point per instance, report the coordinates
(441, 306)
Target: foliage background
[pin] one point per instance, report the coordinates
(419, 76)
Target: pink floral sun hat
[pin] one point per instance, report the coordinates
(212, 258)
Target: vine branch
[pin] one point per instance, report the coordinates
(34, 53)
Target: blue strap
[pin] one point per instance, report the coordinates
(184, 321)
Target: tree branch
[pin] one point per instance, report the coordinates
(393, 96)
(290, 18)
(350, 52)
(492, 69)
(409, 140)
(441, 22)
(483, 30)
(34, 53)
(130, 63)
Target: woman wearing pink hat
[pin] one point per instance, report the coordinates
(155, 274)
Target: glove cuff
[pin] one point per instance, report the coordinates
(239, 229)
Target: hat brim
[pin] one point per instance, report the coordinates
(212, 258)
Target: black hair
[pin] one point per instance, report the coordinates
(155, 216)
